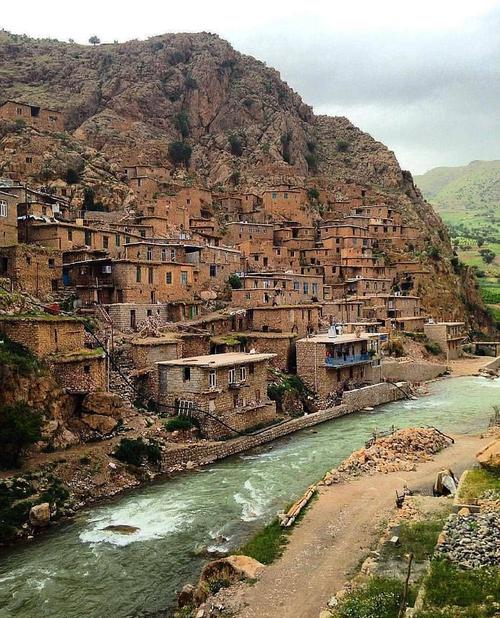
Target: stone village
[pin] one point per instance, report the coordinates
(197, 296)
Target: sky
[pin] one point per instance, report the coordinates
(422, 76)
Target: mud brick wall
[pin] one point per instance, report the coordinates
(44, 337)
(82, 374)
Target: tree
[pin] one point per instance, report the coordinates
(179, 152)
(235, 282)
(487, 255)
(72, 176)
(181, 123)
(236, 145)
(20, 427)
(94, 40)
(480, 242)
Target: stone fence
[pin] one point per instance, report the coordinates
(201, 454)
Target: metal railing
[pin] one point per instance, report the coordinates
(343, 361)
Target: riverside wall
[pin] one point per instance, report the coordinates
(201, 454)
(411, 371)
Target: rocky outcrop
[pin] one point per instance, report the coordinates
(39, 515)
(489, 456)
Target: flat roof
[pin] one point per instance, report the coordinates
(445, 324)
(212, 361)
(346, 338)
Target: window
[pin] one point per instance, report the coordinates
(251, 369)
(306, 288)
(168, 277)
(184, 277)
(213, 270)
(105, 242)
(28, 260)
(231, 376)
(3, 208)
(86, 369)
(150, 253)
(172, 254)
(143, 233)
(315, 289)
(274, 195)
(52, 263)
(127, 240)
(296, 286)
(163, 255)
(138, 274)
(88, 237)
(212, 378)
(285, 195)
(55, 285)
(243, 374)
(150, 274)
(70, 235)
(19, 111)
(186, 374)
(117, 240)
(29, 159)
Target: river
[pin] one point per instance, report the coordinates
(80, 570)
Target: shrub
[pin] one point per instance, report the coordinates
(235, 145)
(312, 193)
(179, 152)
(190, 83)
(312, 161)
(180, 423)
(394, 347)
(286, 140)
(433, 348)
(72, 177)
(20, 427)
(487, 255)
(136, 451)
(342, 145)
(381, 597)
(94, 40)
(16, 355)
(433, 252)
(235, 282)
(181, 124)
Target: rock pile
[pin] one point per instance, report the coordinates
(471, 540)
(400, 451)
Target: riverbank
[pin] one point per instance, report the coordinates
(336, 533)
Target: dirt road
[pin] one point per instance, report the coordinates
(336, 534)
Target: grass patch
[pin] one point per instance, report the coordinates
(16, 355)
(268, 544)
(448, 585)
(477, 481)
(380, 597)
(418, 538)
(181, 423)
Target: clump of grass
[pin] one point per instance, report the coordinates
(448, 585)
(433, 348)
(180, 423)
(477, 482)
(380, 597)
(16, 355)
(268, 544)
(419, 538)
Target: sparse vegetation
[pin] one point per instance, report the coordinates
(342, 145)
(235, 144)
(179, 153)
(136, 451)
(181, 123)
(477, 481)
(181, 423)
(20, 427)
(433, 348)
(268, 544)
(286, 140)
(394, 347)
(235, 282)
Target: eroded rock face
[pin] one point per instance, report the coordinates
(105, 404)
(489, 456)
(39, 516)
(98, 422)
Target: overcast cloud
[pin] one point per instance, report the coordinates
(421, 76)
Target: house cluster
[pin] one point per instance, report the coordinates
(291, 277)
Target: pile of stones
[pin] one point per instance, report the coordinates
(471, 540)
(400, 451)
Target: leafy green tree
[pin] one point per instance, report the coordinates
(94, 40)
(179, 152)
(72, 177)
(181, 124)
(235, 282)
(487, 255)
(20, 427)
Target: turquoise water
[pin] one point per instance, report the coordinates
(80, 570)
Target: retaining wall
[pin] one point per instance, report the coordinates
(493, 365)
(411, 371)
(200, 454)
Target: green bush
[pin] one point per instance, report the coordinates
(136, 451)
(180, 423)
(72, 177)
(394, 347)
(20, 427)
(433, 348)
(235, 282)
(381, 597)
(268, 544)
(312, 161)
(312, 194)
(182, 124)
(342, 145)
(236, 145)
(16, 355)
(179, 152)
(433, 252)
(448, 585)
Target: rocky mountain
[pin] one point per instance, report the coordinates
(211, 116)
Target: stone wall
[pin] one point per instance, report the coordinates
(32, 269)
(120, 313)
(84, 374)
(45, 336)
(374, 395)
(207, 453)
(411, 371)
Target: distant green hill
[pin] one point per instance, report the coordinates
(472, 189)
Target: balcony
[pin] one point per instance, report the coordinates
(345, 361)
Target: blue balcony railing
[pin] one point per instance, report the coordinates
(344, 361)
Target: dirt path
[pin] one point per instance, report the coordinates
(336, 534)
(468, 366)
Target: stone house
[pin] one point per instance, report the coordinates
(8, 219)
(225, 392)
(32, 269)
(261, 289)
(449, 335)
(330, 364)
(298, 319)
(237, 232)
(60, 342)
(38, 117)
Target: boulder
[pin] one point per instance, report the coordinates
(105, 404)
(186, 596)
(100, 423)
(489, 456)
(39, 515)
